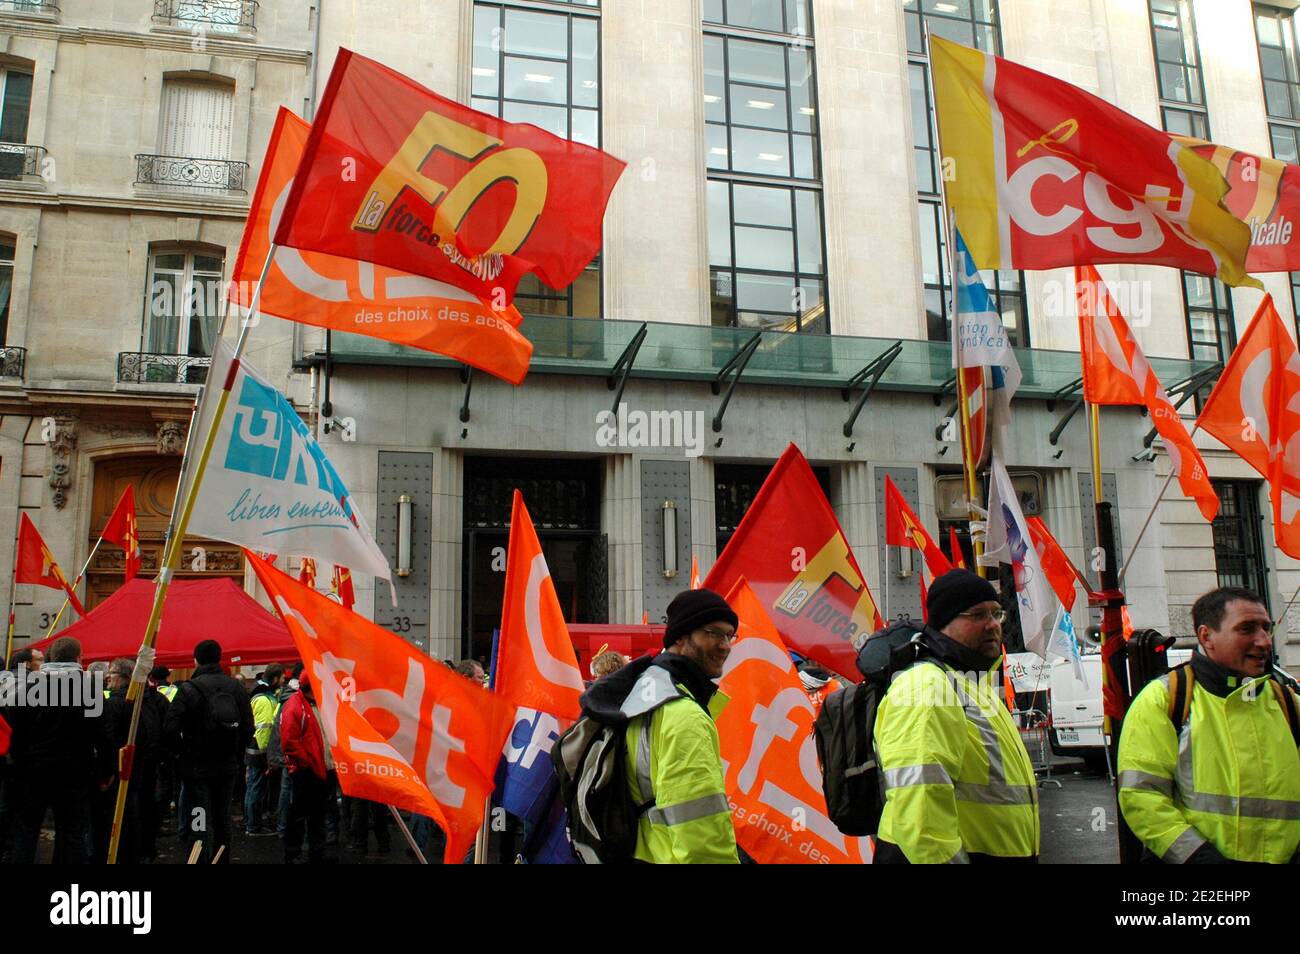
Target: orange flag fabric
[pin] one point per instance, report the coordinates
(403, 729)
(958, 559)
(773, 781)
(903, 529)
(791, 550)
(1059, 568)
(1115, 371)
(36, 564)
(536, 665)
(1255, 410)
(123, 531)
(695, 572)
(344, 294)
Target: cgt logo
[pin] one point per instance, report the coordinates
(76, 907)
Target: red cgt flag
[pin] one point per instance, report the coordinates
(1255, 409)
(397, 175)
(36, 564)
(536, 665)
(345, 294)
(903, 529)
(403, 729)
(790, 548)
(1115, 371)
(122, 530)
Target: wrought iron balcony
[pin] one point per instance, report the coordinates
(222, 175)
(142, 367)
(12, 362)
(20, 161)
(37, 7)
(214, 16)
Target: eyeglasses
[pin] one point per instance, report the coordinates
(720, 636)
(983, 616)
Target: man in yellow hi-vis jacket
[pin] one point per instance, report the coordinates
(959, 785)
(1208, 765)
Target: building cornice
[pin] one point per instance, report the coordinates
(228, 209)
(157, 40)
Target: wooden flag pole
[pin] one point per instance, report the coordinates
(73, 586)
(406, 833)
(481, 840)
(176, 528)
(13, 591)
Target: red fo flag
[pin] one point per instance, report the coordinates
(36, 564)
(1115, 371)
(307, 572)
(536, 665)
(343, 586)
(397, 175)
(1255, 410)
(403, 729)
(903, 529)
(122, 530)
(790, 548)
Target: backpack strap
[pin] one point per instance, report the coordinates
(1181, 680)
(1287, 701)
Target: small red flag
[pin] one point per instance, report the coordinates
(6, 734)
(307, 572)
(343, 586)
(397, 175)
(36, 564)
(1060, 570)
(954, 549)
(903, 529)
(123, 531)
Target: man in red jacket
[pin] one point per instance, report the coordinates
(311, 775)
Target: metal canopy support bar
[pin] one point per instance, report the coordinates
(875, 370)
(467, 376)
(1064, 392)
(1055, 436)
(623, 366)
(1188, 388)
(737, 363)
(943, 424)
(949, 385)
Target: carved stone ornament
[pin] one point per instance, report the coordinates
(171, 437)
(62, 439)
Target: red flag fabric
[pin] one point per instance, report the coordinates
(36, 564)
(773, 781)
(307, 572)
(903, 529)
(397, 175)
(349, 295)
(123, 531)
(343, 588)
(1060, 570)
(403, 729)
(977, 406)
(1052, 175)
(695, 573)
(1115, 371)
(1255, 409)
(1008, 690)
(956, 557)
(536, 665)
(6, 735)
(790, 548)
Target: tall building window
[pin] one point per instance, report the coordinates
(1238, 537)
(6, 283)
(767, 262)
(15, 111)
(183, 307)
(1211, 332)
(1178, 68)
(197, 119)
(543, 67)
(1279, 68)
(973, 23)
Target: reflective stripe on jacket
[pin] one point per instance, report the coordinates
(957, 777)
(1230, 777)
(673, 756)
(265, 707)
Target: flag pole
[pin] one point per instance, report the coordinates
(75, 583)
(1169, 479)
(13, 592)
(406, 833)
(176, 527)
(1289, 603)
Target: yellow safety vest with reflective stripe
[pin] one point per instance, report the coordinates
(265, 706)
(674, 757)
(168, 691)
(1230, 777)
(956, 776)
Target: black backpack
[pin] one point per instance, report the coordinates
(219, 721)
(845, 730)
(590, 761)
(274, 750)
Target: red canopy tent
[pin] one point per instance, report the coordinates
(195, 610)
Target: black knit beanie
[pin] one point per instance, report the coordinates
(693, 609)
(956, 592)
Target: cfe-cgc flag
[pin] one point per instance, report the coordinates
(1043, 174)
(397, 175)
(403, 729)
(35, 563)
(773, 781)
(345, 294)
(1255, 410)
(123, 530)
(981, 341)
(791, 550)
(1115, 371)
(268, 484)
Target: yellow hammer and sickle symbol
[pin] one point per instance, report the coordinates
(1061, 133)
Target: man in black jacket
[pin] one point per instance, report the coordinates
(61, 753)
(209, 724)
